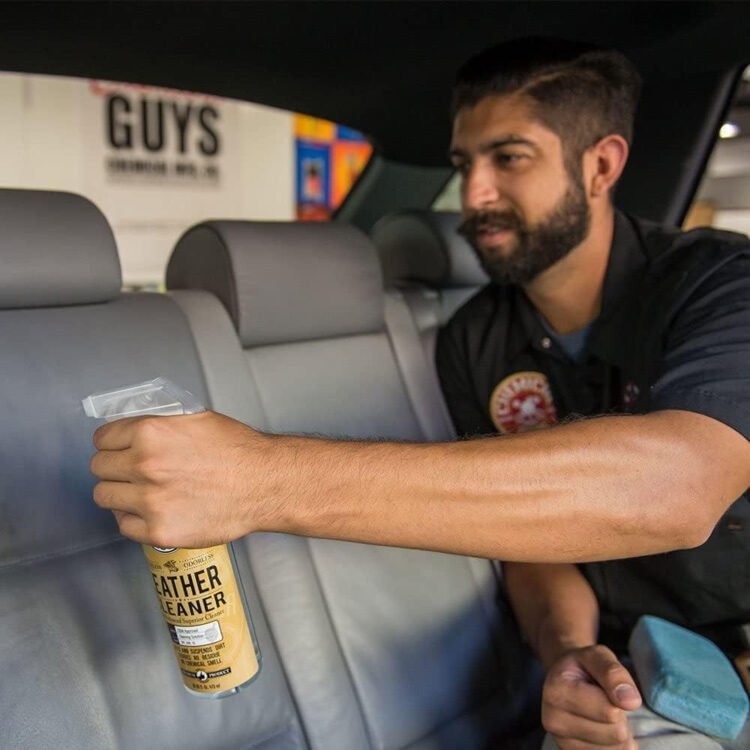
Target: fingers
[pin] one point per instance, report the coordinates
(567, 727)
(580, 699)
(113, 466)
(132, 526)
(135, 526)
(615, 680)
(127, 447)
(577, 701)
(118, 496)
(178, 481)
(116, 436)
(630, 744)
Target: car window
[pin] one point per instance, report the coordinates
(723, 198)
(449, 198)
(157, 161)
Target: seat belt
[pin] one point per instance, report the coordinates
(418, 374)
(422, 385)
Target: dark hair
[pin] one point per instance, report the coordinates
(579, 91)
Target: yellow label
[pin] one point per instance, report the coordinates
(201, 603)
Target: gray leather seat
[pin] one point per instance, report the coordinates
(430, 264)
(383, 648)
(87, 660)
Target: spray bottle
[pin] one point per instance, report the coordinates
(199, 590)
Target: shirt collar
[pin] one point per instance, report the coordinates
(625, 269)
(627, 259)
(525, 330)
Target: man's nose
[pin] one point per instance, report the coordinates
(480, 189)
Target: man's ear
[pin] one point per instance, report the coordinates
(603, 164)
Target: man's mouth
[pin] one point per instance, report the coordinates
(488, 235)
(490, 230)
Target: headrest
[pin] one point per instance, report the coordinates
(56, 249)
(284, 281)
(425, 247)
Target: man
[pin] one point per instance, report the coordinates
(537, 184)
(558, 333)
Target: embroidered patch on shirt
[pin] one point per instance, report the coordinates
(522, 402)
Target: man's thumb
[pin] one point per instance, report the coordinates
(618, 683)
(626, 696)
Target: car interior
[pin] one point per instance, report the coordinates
(324, 328)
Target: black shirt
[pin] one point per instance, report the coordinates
(673, 333)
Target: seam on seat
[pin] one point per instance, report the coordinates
(247, 354)
(207, 317)
(258, 745)
(375, 332)
(235, 313)
(476, 709)
(335, 631)
(63, 553)
(422, 390)
(488, 603)
(258, 603)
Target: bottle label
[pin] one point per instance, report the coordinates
(201, 603)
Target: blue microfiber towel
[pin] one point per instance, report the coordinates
(686, 678)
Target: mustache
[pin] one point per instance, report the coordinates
(476, 222)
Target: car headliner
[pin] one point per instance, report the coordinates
(382, 67)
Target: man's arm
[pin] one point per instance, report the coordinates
(587, 691)
(603, 488)
(555, 607)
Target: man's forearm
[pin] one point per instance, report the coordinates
(596, 489)
(555, 607)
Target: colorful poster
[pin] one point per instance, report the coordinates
(330, 158)
(349, 159)
(314, 129)
(349, 134)
(313, 181)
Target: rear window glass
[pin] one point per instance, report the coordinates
(723, 198)
(157, 161)
(449, 198)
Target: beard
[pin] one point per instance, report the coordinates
(537, 246)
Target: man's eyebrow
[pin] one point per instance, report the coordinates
(484, 148)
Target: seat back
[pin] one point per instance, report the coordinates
(87, 657)
(434, 268)
(384, 648)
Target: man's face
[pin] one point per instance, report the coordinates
(522, 210)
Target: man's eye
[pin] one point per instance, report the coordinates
(462, 168)
(507, 160)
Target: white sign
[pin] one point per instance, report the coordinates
(159, 135)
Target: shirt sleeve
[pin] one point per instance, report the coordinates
(706, 364)
(454, 373)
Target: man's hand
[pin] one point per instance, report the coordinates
(586, 695)
(180, 481)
